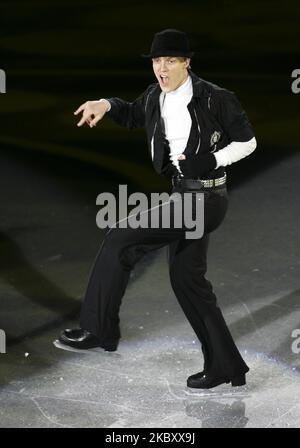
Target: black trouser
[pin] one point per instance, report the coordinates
(123, 247)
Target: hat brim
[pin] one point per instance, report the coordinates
(190, 54)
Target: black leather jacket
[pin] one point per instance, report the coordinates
(217, 119)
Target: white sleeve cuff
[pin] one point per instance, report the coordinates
(109, 105)
(234, 151)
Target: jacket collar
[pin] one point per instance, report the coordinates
(198, 85)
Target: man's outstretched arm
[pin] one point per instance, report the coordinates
(92, 112)
(124, 113)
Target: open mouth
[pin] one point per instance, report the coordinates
(164, 80)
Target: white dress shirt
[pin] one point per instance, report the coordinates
(177, 118)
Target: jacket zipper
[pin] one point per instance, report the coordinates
(152, 146)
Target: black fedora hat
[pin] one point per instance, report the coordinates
(170, 42)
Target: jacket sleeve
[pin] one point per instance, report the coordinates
(233, 118)
(129, 114)
(169, 170)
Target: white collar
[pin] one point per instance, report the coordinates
(182, 89)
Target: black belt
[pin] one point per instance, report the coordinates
(198, 184)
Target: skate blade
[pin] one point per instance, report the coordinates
(58, 344)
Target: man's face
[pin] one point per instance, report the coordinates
(170, 72)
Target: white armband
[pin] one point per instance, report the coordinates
(234, 151)
(109, 105)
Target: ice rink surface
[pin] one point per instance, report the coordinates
(48, 242)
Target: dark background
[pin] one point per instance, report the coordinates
(59, 54)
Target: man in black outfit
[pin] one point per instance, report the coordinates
(194, 129)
